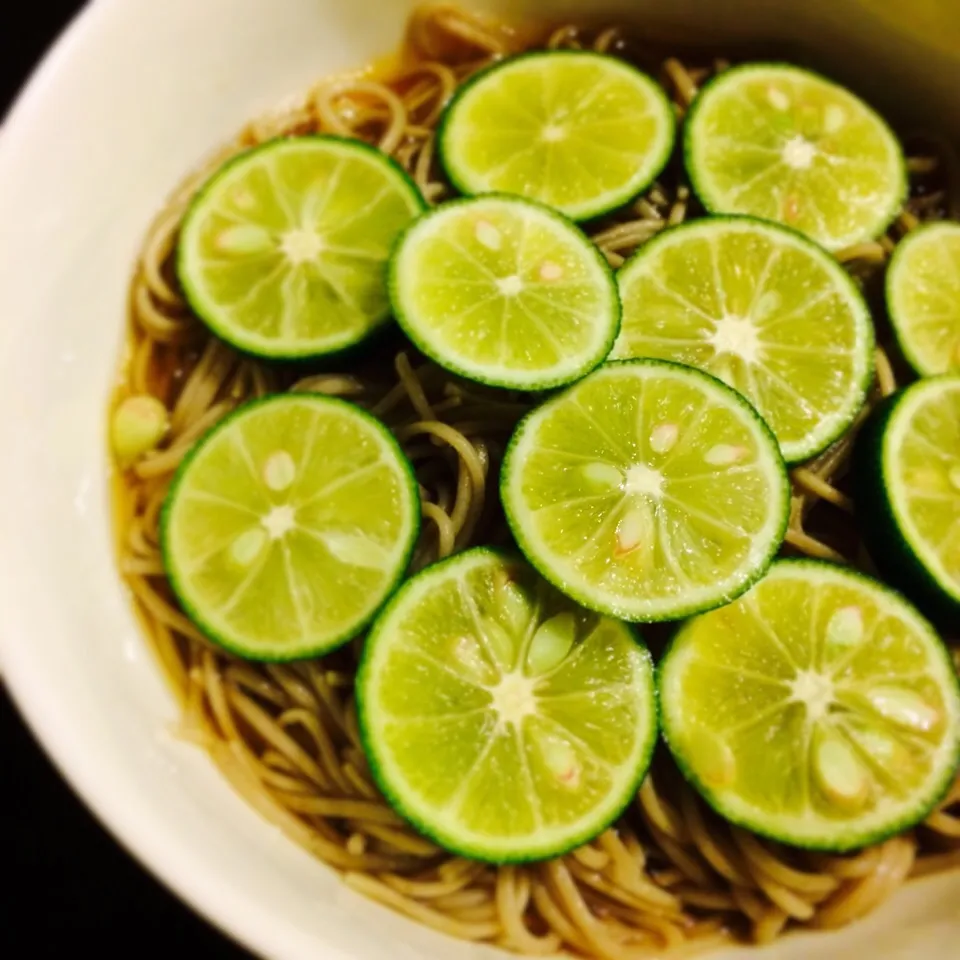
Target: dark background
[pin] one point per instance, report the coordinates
(74, 890)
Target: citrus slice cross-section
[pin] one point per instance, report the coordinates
(288, 526)
(581, 132)
(923, 298)
(647, 491)
(501, 719)
(907, 486)
(763, 309)
(506, 292)
(283, 252)
(819, 709)
(781, 143)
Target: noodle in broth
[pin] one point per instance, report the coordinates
(670, 874)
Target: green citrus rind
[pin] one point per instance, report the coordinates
(829, 428)
(894, 543)
(406, 272)
(898, 311)
(883, 210)
(643, 611)
(813, 832)
(217, 316)
(540, 845)
(281, 651)
(470, 182)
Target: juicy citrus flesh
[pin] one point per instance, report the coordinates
(819, 708)
(503, 290)
(580, 132)
(647, 491)
(923, 295)
(289, 525)
(285, 250)
(500, 717)
(784, 144)
(921, 451)
(763, 310)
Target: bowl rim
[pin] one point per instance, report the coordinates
(140, 831)
(236, 914)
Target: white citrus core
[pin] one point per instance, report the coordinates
(798, 152)
(300, 245)
(737, 335)
(644, 480)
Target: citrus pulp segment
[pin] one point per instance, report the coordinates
(782, 143)
(763, 309)
(923, 298)
(505, 291)
(907, 486)
(288, 525)
(283, 252)
(500, 718)
(581, 132)
(819, 709)
(647, 491)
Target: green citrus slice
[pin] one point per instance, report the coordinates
(506, 292)
(283, 253)
(763, 309)
(907, 477)
(581, 132)
(500, 718)
(782, 143)
(288, 525)
(923, 298)
(819, 709)
(647, 491)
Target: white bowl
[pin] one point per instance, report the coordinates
(130, 100)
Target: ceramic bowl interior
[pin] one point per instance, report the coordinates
(130, 100)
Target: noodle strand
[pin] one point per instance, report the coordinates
(669, 875)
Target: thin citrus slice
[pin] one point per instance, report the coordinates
(581, 132)
(506, 292)
(283, 253)
(288, 525)
(501, 719)
(819, 709)
(647, 491)
(907, 484)
(763, 309)
(923, 298)
(782, 143)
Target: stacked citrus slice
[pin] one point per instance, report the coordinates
(581, 132)
(508, 711)
(763, 309)
(501, 718)
(818, 709)
(647, 491)
(782, 143)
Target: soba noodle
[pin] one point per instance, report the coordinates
(670, 874)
